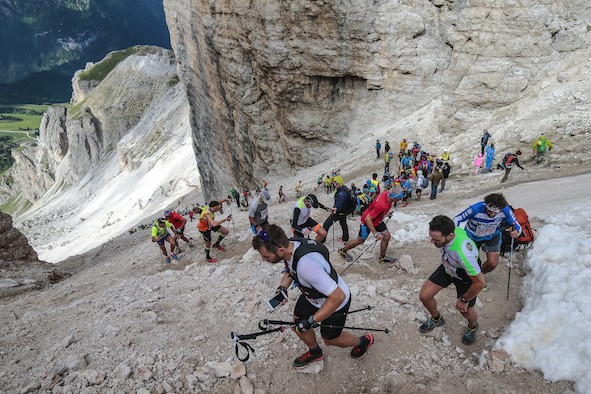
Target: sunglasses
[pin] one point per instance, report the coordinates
(263, 236)
(492, 208)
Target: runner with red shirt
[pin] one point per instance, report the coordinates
(178, 222)
(371, 222)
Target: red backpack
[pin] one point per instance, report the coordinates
(527, 233)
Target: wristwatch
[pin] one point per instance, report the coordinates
(465, 301)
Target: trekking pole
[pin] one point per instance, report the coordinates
(265, 323)
(510, 266)
(364, 250)
(239, 340)
(233, 227)
(359, 328)
(333, 249)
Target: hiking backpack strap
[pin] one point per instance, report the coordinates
(309, 246)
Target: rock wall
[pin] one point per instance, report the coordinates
(270, 83)
(20, 269)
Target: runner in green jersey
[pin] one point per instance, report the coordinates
(459, 265)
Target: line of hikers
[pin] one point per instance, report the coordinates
(325, 297)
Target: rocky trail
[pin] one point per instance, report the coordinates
(125, 322)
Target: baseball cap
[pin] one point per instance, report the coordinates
(266, 196)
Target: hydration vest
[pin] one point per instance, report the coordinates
(309, 246)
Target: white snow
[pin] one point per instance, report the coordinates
(551, 332)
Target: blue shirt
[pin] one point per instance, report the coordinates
(480, 226)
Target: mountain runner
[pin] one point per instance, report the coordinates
(484, 141)
(539, 148)
(281, 195)
(207, 224)
(378, 148)
(338, 212)
(301, 223)
(258, 212)
(459, 265)
(325, 297)
(490, 156)
(298, 189)
(178, 222)
(371, 222)
(509, 160)
(236, 196)
(445, 170)
(160, 234)
(483, 222)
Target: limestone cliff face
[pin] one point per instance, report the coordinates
(74, 139)
(271, 82)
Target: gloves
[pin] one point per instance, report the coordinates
(303, 325)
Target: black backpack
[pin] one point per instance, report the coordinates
(351, 203)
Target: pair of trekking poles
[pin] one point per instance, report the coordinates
(265, 327)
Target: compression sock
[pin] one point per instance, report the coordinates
(316, 351)
(207, 256)
(217, 243)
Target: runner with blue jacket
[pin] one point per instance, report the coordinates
(483, 221)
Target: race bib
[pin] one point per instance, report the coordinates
(484, 230)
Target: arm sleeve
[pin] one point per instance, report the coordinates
(462, 217)
(294, 220)
(511, 218)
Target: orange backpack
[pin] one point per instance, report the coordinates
(527, 233)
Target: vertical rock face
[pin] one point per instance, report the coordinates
(271, 82)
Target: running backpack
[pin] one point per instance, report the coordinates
(351, 203)
(527, 233)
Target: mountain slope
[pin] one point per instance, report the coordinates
(62, 36)
(122, 150)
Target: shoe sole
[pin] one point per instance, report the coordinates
(389, 260)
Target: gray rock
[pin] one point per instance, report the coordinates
(220, 369)
(246, 385)
(238, 370)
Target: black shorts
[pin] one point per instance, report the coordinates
(207, 234)
(310, 224)
(304, 310)
(441, 278)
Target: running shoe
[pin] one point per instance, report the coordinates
(431, 324)
(306, 359)
(360, 350)
(219, 247)
(167, 260)
(211, 260)
(469, 335)
(388, 260)
(175, 257)
(346, 255)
